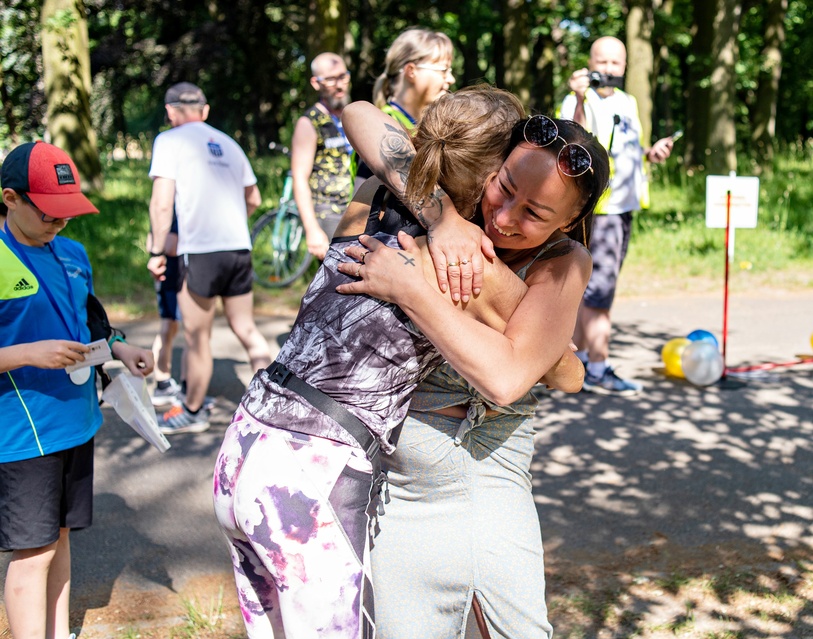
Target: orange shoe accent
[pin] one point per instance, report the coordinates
(176, 410)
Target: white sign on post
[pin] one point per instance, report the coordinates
(744, 204)
(744, 201)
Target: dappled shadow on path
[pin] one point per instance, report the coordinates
(641, 494)
(154, 524)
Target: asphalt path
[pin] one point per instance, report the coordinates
(692, 469)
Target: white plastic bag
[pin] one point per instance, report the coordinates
(129, 397)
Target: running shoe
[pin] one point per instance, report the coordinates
(179, 420)
(208, 401)
(610, 384)
(166, 396)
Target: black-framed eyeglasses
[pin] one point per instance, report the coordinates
(573, 159)
(333, 80)
(45, 218)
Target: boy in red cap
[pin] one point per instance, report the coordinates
(50, 417)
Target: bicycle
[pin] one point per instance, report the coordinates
(279, 253)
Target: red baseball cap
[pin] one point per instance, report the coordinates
(48, 177)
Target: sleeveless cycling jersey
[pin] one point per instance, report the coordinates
(330, 180)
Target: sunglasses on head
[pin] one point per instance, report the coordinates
(573, 159)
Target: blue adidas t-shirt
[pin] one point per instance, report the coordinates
(43, 411)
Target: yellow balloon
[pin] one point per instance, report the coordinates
(671, 356)
(811, 340)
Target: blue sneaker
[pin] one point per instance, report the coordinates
(610, 384)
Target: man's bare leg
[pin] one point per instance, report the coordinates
(240, 314)
(162, 349)
(198, 317)
(593, 330)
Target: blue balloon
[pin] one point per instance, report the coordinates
(702, 336)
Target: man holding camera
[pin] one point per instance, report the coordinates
(598, 103)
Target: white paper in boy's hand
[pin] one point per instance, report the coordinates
(129, 397)
(99, 354)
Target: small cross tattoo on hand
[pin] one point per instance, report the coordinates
(408, 261)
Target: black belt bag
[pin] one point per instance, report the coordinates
(282, 376)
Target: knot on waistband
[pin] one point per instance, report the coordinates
(475, 415)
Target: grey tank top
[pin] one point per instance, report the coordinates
(445, 387)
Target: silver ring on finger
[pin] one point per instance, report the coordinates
(464, 262)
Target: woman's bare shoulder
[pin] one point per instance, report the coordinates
(568, 258)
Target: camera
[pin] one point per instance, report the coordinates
(598, 80)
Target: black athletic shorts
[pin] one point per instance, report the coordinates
(166, 291)
(224, 273)
(41, 495)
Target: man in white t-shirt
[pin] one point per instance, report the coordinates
(600, 106)
(206, 177)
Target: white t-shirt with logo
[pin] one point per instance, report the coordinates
(621, 136)
(210, 172)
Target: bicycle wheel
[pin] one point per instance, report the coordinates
(279, 254)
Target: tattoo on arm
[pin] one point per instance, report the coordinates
(408, 260)
(396, 155)
(429, 210)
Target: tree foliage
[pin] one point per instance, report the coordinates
(252, 59)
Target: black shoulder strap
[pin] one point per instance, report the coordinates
(373, 221)
(99, 326)
(396, 216)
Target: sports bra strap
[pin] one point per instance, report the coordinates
(545, 247)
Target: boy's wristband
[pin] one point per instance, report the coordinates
(114, 339)
(161, 254)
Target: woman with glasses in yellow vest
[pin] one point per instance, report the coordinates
(417, 71)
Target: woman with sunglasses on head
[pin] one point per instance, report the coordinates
(417, 71)
(296, 472)
(461, 536)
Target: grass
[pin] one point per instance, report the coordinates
(201, 620)
(671, 250)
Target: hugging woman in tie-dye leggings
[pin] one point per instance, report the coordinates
(293, 486)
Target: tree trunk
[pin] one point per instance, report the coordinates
(327, 27)
(543, 98)
(364, 63)
(723, 135)
(517, 55)
(770, 72)
(66, 72)
(640, 61)
(8, 110)
(661, 78)
(699, 88)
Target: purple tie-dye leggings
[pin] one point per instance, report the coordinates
(295, 515)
